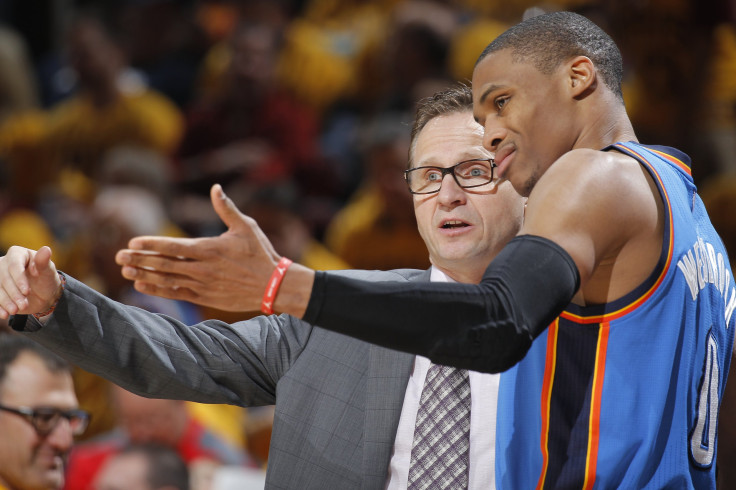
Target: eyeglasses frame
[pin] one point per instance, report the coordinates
(449, 170)
(31, 414)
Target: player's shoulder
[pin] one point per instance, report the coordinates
(609, 166)
(597, 173)
(593, 183)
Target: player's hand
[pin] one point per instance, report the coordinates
(228, 272)
(28, 282)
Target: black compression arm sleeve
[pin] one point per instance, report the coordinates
(487, 327)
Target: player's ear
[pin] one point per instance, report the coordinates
(582, 76)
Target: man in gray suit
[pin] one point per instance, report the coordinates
(345, 409)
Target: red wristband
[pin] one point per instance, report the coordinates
(273, 285)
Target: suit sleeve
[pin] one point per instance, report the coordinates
(155, 355)
(487, 327)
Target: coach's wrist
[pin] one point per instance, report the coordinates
(55, 301)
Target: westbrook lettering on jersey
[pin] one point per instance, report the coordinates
(703, 265)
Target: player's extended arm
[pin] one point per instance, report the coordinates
(486, 327)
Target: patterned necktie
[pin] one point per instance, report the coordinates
(440, 453)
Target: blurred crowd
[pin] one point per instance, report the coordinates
(117, 117)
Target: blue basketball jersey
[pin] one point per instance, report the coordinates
(626, 394)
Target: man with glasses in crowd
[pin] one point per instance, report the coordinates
(39, 415)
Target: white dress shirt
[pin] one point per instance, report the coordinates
(483, 397)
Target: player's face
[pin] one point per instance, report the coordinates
(27, 459)
(527, 118)
(463, 228)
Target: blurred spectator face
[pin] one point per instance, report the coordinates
(287, 232)
(277, 210)
(29, 460)
(414, 52)
(124, 472)
(148, 420)
(144, 467)
(118, 214)
(109, 234)
(253, 58)
(386, 164)
(92, 54)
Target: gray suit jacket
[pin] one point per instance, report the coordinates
(338, 400)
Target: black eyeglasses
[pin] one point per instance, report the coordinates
(45, 419)
(467, 174)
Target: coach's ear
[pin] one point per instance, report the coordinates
(582, 76)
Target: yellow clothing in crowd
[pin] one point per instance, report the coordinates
(328, 49)
(720, 83)
(25, 228)
(79, 133)
(76, 134)
(318, 257)
(368, 236)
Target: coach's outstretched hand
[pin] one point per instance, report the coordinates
(228, 272)
(28, 282)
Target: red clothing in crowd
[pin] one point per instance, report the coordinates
(198, 442)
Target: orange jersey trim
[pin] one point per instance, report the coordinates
(675, 161)
(549, 376)
(594, 419)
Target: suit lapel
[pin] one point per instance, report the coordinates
(388, 375)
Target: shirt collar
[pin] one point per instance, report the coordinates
(437, 275)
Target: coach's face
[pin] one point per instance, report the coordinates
(463, 228)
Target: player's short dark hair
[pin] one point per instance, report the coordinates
(548, 40)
